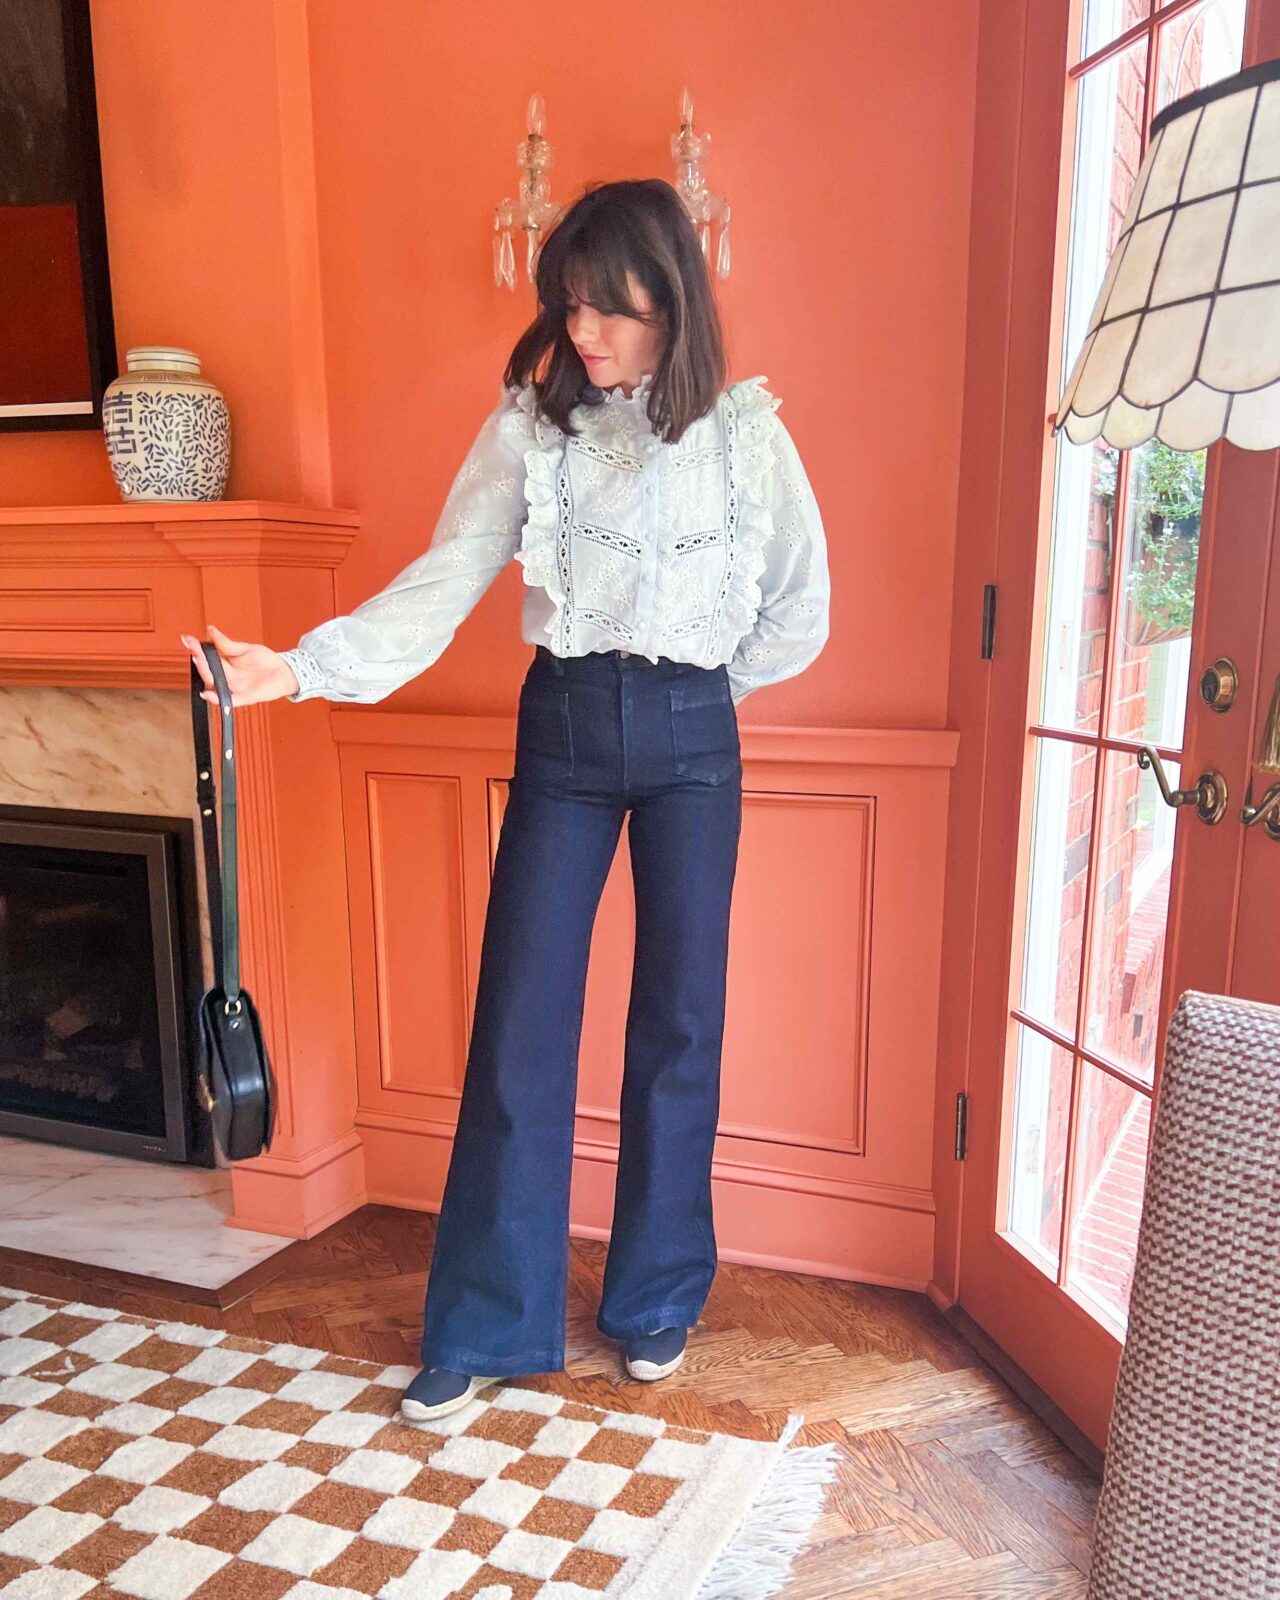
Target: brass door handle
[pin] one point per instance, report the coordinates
(1269, 754)
(1209, 796)
(1267, 811)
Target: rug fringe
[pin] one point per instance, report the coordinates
(757, 1560)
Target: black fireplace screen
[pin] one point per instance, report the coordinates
(96, 979)
(78, 1031)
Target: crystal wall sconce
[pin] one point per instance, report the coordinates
(705, 207)
(534, 212)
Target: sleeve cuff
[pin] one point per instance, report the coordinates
(307, 670)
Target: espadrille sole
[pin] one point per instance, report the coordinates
(647, 1371)
(416, 1411)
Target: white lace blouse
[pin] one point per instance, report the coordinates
(708, 550)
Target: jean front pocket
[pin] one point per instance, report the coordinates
(544, 732)
(704, 731)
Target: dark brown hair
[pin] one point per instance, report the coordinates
(638, 225)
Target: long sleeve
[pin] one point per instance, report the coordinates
(404, 628)
(793, 621)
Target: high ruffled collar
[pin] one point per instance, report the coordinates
(595, 394)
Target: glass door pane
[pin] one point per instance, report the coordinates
(1061, 835)
(1108, 156)
(1162, 557)
(1114, 675)
(1037, 1171)
(1111, 1167)
(1198, 47)
(1105, 20)
(1130, 910)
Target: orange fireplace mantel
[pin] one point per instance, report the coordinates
(98, 595)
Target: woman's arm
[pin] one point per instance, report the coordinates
(792, 625)
(400, 631)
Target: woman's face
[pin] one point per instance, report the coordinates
(615, 349)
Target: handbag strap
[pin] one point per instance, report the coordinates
(220, 884)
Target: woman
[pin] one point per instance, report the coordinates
(674, 560)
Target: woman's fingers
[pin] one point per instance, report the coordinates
(239, 677)
(198, 656)
(209, 692)
(226, 645)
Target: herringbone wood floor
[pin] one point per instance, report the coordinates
(948, 1487)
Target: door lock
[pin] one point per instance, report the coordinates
(1209, 796)
(1218, 684)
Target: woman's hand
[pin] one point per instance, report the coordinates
(253, 671)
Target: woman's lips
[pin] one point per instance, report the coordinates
(595, 358)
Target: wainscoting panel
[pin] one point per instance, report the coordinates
(824, 1153)
(419, 912)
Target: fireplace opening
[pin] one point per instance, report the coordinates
(100, 973)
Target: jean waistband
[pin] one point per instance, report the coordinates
(610, 663)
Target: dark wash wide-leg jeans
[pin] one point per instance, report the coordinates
(598, 736)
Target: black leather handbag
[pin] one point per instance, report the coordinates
(235, 1082)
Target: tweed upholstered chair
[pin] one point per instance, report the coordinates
(1190, 1502)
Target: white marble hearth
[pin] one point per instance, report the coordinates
(154, 1218)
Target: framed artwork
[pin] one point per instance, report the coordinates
(57, 333)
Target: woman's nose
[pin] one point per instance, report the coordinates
(583, 328)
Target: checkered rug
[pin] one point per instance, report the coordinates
(169, 1462)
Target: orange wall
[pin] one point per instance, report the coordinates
(339, 291)
(303, 193)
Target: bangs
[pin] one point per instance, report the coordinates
(595, 271)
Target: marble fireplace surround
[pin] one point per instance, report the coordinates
(96, 715)
(107, 750)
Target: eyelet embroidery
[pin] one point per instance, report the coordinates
(697, 541)
(694, 504)
(602, 619)
(564, 545)
(608, 536)
(730, 521)
(681, 462)
(681, 630)
(613, 458)
(702, 522)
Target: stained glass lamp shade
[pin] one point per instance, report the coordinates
(1184, 341)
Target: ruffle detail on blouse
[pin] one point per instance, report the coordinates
(543, 451)
(518, 419)
(537, 551)
(526, 398)
(753, 475)
(610, 397)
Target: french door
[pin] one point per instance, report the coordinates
(1154, 589)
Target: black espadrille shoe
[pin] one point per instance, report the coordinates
(436, 1391)
(654, 1355)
